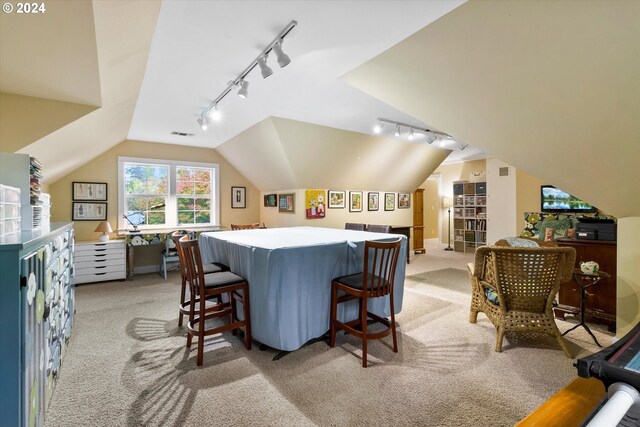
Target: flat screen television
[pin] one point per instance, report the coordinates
(553, 199)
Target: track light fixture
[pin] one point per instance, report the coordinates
(430, 135)
(265, 70)
(244, 89)
(283, 59)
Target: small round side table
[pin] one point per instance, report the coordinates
(584, 282)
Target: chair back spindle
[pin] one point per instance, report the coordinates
(380, 263)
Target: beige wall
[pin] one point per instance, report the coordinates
(527, 196)
(628, 281)
(104, 168)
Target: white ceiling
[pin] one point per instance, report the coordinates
(199, 46)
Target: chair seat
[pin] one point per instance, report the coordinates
(353, 280)
(223, 278)
(212, 268)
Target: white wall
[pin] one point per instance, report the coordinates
(501, 201)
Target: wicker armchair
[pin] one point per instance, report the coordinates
(525, 281)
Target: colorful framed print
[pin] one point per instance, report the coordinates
(404, 200)
(374, 201)
(93, 191)
(286, 203)
(238, 197)
(270, 200)
(389, 201)
(89, 211)
(314, 202)
(355, 201)
(337, 199)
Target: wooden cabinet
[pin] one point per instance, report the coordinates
(36, 312)
(418, 221)
(469, 216)
(601, 299)
(100, 261)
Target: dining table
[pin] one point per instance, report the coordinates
(290, 270)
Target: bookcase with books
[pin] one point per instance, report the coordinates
(469, 215)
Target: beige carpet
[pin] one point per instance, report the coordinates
(127, 365)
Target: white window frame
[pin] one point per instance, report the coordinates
(171, 210)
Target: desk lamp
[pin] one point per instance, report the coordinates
(105, 228)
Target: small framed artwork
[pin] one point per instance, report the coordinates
(95, 191)
(374, 201)
(355, 201)
(389, 201)
(89, 211)
(286, 203)
(337, 199)
(314, 201)
(404, 200)
(238, 197)
(270, 201)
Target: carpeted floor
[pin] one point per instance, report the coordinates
(127, 365)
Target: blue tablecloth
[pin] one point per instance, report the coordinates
(289, 271)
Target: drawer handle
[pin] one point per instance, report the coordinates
(101, 266)
(100, 274)
(99, 260)
(101, 250)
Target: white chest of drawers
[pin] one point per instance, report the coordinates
(100, 261)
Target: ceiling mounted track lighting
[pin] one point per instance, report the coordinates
(430, 135)
(212, 113)
(244, 89)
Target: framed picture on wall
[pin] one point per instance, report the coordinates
(286, 203)
(389, 201)
(337, 199)
(374, 201)
(238, 197)
(355, 201)
(404, 200)
(270, 201)
(96, 191)
(89, 211)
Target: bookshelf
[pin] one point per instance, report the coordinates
(469, 216)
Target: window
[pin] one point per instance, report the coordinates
(167, 194)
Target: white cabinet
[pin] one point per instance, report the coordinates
(100, 261)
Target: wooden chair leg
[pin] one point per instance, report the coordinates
(363, 326)
(183, 291)
(192, 309)
(201, 323)
(393, 323)
(332, 315)
(247, 317)
(499, 337)
(233, 316)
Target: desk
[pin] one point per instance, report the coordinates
(147, 237)
(289, 271)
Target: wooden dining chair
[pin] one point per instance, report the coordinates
(245, 226)
(211, 285)
(354, 226)
(379, 228)
(183, 307)
(376, 280)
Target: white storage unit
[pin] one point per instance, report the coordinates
(100, 261)
(9, 210)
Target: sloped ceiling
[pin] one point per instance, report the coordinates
(278, 154)
(108, 75)
(551, 88)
